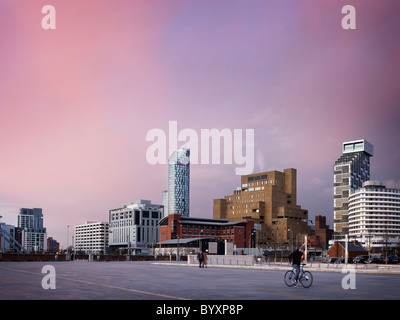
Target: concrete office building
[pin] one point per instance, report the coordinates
(179, 182)
(133, 227)
(270, 199)
(350, 171)
(374, 215)
(91, 238)
(34, 236)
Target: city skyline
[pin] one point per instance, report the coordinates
(78, 101)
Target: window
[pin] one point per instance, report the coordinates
(154, 215)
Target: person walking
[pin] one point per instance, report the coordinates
(200, 257)
(296, 256)
(205, 259)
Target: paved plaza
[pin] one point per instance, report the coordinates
(83, 280)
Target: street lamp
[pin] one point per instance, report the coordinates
(67, 238)
(177, 254)
(200, 233)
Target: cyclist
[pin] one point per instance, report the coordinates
(296, 255)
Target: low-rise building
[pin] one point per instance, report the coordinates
(91, 238)
(134, 226)
(338, 250)
(199, 232)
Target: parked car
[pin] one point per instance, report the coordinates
(374, 260)
(390, 260)
(343, 260)
(360, 259)
(268, 253)
(393, 259)
(385, 260)
(330, 260)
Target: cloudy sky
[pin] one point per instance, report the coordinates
(77, 102)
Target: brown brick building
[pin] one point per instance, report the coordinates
(270, 199)
(238, 233)
(322, 234)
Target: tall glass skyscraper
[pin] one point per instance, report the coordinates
(350, 171)
(179, 182)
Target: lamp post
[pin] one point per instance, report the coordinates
(200, 234)
(177, 254)
(66, 251)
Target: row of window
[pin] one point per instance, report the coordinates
(128, 215)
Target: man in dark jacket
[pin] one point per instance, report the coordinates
(200, 257)
(296, 255)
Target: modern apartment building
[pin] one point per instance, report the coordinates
(270, 199)
(34, 236)
(179, 182)
(133, 227)
(374, 215)
(91, 238)
(350, 171)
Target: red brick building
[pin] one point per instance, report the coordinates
(239, 233)
(338, 250)
(322, 233)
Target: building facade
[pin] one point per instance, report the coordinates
(179, 182)
(338, 250)
(374, 216)
(321, 234)
(52, 245)
(165, 202)
(91, 238)
(350, 171)
(34, 236)
(134, 226)
(270, 199)
(10, 238)
(201, 230)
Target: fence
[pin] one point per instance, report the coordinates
(63, 257)
(226, 260)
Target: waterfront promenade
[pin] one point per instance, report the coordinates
(83, 280)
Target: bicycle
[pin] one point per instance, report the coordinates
(305, 277)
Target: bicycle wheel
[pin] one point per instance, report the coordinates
(289, 275)
(306, 279)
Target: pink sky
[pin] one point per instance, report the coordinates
(76, 102)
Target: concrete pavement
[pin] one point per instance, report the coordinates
(83, 280)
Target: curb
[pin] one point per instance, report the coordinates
(384, 270)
